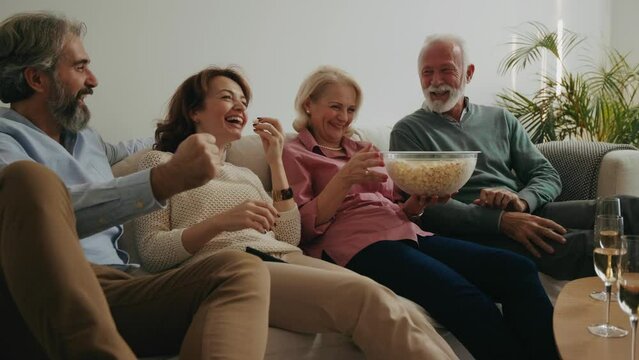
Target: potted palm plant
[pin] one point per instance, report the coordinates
(598, 104)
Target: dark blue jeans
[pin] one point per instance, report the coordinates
(458, 283)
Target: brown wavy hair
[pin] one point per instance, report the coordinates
(189, 97)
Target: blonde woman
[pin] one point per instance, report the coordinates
(353, 215)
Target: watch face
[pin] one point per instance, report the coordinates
(284, 194)
(287, 194)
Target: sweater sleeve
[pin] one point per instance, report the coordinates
(403, 140)
(160, 247)
(288, 227)
(542, 183)
(457, 218)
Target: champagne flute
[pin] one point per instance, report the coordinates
(606, 206)
(628, 283)
(607, 250)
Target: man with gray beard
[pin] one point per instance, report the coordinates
(67, 291)
(508, 201)
(67, 108)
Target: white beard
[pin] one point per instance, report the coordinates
(439, 106)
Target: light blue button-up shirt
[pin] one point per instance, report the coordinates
(83, 162)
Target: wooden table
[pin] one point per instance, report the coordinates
(574, 311)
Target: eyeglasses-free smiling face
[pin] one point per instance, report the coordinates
(70, 83)
(223, 113)
(442, 76)
(332, 113)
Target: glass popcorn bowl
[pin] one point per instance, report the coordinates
(430, 172)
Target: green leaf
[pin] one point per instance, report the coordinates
(530, 46)
(599, 104)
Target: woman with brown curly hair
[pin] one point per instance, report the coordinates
(233, 211)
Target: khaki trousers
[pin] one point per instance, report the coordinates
(313, 296)
(54, 304)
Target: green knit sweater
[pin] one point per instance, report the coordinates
(508, 159)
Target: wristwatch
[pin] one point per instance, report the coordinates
(281, 195)
(417, 217)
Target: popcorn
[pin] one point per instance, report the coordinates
(428, 177)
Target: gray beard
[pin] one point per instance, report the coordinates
(66, 109)
(76, 122)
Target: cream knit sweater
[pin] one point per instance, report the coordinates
(159, 234)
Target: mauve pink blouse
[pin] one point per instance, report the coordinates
(368, 213)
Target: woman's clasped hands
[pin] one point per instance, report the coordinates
(254, 214)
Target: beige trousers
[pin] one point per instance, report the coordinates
(54, 304)
(313, 296)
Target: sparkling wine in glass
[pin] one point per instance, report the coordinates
(607, 251)
(606, 206)
(628, 284)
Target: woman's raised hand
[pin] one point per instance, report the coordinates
(254, 214)
(357, 169)
(272, 135)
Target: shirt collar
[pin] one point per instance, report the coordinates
(68, 139)
(13, 115)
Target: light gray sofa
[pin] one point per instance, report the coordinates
(619, 171)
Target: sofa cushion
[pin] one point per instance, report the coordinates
(378, 136)
(249, 153)
(129, 165)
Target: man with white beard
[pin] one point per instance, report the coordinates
(508, 195)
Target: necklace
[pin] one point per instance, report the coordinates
(340, 148)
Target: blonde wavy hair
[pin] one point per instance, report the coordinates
(312, 88)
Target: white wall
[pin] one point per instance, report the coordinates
(142, 49)
(625, 28)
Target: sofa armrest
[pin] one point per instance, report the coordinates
(582, 165)
(619, 173)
